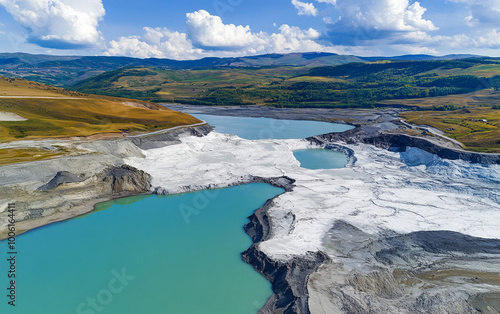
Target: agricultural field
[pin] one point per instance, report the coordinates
(481, 98)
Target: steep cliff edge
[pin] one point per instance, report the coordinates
(398, 142)
(289, 278)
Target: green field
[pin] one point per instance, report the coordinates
(181, 85)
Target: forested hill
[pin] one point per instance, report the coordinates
(405, 68)
(347, 85)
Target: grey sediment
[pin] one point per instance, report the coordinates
(288, 278)
(399, 142)
(169, 137)
(59, 199)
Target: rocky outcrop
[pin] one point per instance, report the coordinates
(284, 182)
(62, 177)
(67, 195)
(399, 142)
(288, 278)
(127, 179)
(169, 137)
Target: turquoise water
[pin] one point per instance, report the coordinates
(265, 128)
(148, 254)
(320, 159)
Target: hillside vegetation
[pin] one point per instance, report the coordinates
(54, 112)
(192, 86)
(67, 70)
(349, 85)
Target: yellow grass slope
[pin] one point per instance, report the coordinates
(476, 124)
(54, 112)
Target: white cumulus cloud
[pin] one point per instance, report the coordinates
(155, 43)
(292, 38)
(366, 20)
(208, 36)
(209, 31)
(304, 8)
(58, 23)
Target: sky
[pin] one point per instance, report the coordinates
(193, 29)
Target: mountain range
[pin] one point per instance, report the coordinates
(68, 70)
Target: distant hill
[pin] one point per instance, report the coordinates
(68, 70)
(359, 84)
(422, 57)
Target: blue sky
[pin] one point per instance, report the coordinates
(190, 29)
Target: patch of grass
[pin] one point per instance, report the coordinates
(10, 156)
(464, 126)
(481, 98)
(315, 79)
(20, 87)
(170, 85)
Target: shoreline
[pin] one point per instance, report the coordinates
(75, 212)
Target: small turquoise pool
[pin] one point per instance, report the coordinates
(320, 159)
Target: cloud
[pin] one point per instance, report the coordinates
(58, 23)
(209, 31)
(328, 1)
(415, 49)
(490, 39)
(292, 38)
(481, 12)
(305, 8)
(155, 43)
(453, 43)
(208, 36)
(365, 21)
(397, 30)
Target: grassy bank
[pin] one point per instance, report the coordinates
(67, 114)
